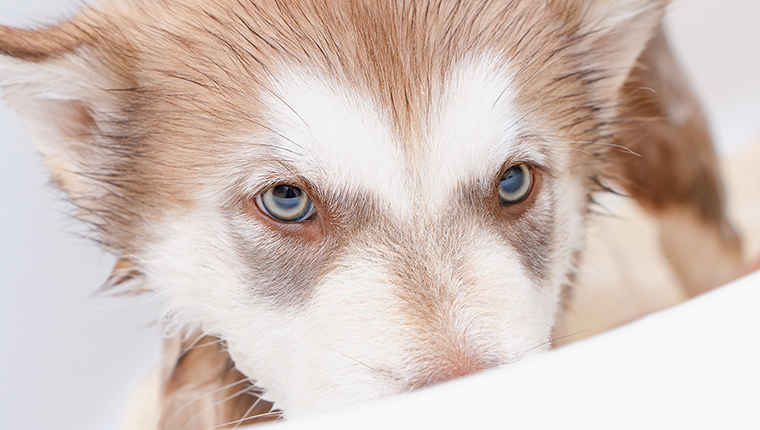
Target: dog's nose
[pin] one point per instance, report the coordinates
(445, 370)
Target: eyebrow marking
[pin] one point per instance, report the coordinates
(350, 145)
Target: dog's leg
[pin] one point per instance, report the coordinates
(204, 390)
(675, 177)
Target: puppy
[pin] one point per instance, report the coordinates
(339, 201)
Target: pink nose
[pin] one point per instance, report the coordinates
(445, 370)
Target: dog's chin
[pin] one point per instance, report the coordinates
(324, 376)
(317, 393)
(308, 396)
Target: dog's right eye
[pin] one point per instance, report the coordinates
(515, 184)
(286, 203)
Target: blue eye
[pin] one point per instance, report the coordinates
(286, 203)
(515, 184)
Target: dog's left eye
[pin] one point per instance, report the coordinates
(515, 184)
(286, 203)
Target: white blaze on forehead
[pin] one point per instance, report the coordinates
(345, 141)
(473, 127)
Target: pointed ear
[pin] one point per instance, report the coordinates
(62, 84)
(614, 33)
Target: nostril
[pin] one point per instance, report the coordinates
(437, 371)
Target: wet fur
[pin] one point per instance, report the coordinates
(162, 120)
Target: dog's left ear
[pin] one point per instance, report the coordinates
(65, 88)
(70, 85)
(611, 34)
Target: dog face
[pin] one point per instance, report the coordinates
(359, 198)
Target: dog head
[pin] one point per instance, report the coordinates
(359, 197)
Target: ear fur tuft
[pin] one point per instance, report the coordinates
(40, 45)
(615, 32)
(125, 271)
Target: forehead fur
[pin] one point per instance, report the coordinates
(391, 51)
(209, 72)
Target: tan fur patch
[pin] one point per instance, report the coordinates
(206, 391)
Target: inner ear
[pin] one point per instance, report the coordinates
(65, 132)
(73, 119)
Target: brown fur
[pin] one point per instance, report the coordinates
(42, 44)
(204, 390)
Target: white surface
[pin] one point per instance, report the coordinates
(694, 366)
(68, 361)
(718, 42)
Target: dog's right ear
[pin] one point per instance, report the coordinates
(64, 83)
(674, 173)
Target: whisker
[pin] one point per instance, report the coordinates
(582, 151)
(226, 399)
(245, 415)
(212, 392)
(383, 371)
(196, 344)
(265, 145)
(554, 339)
(192, 345)
(273, 414)
(591, 142)
(614, 145)
(244, 418)
(570, 335)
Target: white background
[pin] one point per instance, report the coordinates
(68, 359)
